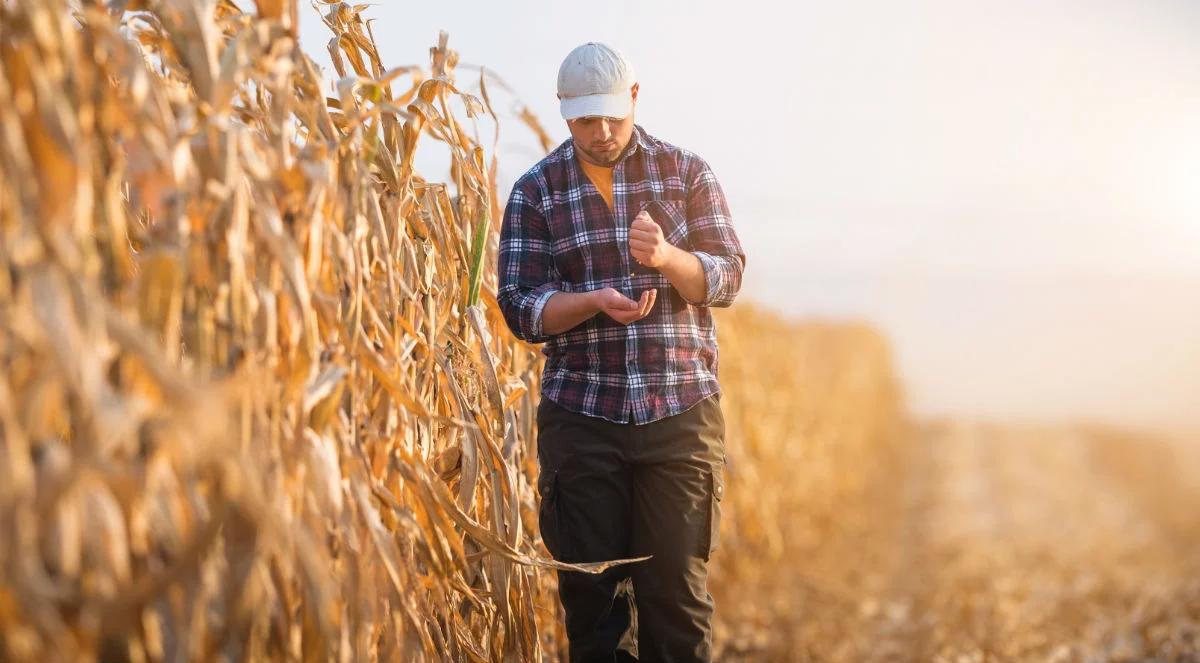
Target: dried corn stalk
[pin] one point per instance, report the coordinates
(257, 401)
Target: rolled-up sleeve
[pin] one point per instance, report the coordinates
(713, 239)
(526, 275)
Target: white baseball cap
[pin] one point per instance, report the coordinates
(595, 79)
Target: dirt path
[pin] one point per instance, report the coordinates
(1041, 544)
(992, 544)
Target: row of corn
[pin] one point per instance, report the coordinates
(257, 401)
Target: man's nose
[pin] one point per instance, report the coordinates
(604, 129)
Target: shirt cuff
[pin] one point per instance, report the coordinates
(536, 315)
(712, 277)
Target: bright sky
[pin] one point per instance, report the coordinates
(882, 157)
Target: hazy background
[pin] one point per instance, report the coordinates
(1010, 190)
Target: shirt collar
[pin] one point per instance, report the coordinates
(639, 138)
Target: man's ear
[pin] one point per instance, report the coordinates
(634, 90)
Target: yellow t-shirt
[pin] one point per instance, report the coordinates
(601, 178)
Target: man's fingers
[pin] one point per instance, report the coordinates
(648, 301)
(643, 224)
(626, 310)
(619, 302)
(641, 308)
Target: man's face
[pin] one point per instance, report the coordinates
(600, 140)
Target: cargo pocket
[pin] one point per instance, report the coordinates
(548, 519)
(716, 493)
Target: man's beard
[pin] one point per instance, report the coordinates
(596, 159)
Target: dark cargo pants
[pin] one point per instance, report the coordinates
(612, 491)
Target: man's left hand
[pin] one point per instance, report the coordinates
(646, 242)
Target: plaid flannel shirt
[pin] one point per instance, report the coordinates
(558, 235)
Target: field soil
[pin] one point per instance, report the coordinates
(996, 542)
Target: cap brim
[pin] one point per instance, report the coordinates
(606, 105)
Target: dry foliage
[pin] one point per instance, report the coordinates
(856, 538)
(815, 431)
(257, 400)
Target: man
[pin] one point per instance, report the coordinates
(612, 250)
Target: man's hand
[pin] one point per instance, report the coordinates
(682, 268)
(621, 308)
(646, 242)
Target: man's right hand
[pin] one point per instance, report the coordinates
(621, 308)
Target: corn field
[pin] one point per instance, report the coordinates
(258, 402)
(861, 535)
(257, 399)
